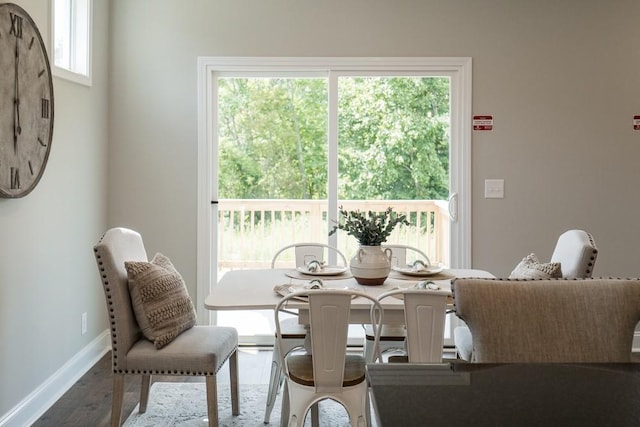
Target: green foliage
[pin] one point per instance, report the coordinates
(393, 138)
(371, 228)
(272, 133)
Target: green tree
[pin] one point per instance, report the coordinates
(274, 132)
(393, 137)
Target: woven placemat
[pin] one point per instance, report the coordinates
(299, 275)
(443, 275)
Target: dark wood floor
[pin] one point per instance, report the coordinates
(88, 402)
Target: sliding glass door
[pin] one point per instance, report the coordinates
(289, 143)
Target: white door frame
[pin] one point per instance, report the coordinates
(458, 69)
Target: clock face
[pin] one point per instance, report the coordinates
(26, 103)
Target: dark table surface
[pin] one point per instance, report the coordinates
(465, 394)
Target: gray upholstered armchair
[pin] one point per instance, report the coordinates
(556, 320)
(198, 350)
(575, 251)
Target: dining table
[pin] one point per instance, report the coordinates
(253, 289)
(261, 289)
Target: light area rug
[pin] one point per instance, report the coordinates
(184, 404)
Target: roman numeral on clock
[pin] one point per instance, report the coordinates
(16, 25)
(15, 178)
(45, 108)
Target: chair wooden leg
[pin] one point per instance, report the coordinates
(116, 399)
(212, 400)
(235, 391)
(144, 393)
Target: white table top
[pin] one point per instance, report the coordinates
(253, 289)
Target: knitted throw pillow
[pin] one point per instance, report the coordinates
(160, 300)
(531, 268)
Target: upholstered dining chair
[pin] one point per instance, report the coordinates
(393, 337)
(328, 372)
(293, 333)
(555, 320)
(424, 313)
(576, 252)
(198, 350)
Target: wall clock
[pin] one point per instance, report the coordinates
(26, 103)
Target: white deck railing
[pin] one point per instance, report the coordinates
(250, 231)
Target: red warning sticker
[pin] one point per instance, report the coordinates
(482, 122)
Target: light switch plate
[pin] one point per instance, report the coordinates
(494, 188)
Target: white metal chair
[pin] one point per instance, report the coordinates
(293, 334)
(201, 350)
(305, 252)
(576, 252)
(424, 313)
(400, 254)
(392, 337)
(328, 372)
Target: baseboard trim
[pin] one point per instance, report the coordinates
(44, 396)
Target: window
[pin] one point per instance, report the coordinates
(71, 40)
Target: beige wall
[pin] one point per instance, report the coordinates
(560, 78)
(48, 276)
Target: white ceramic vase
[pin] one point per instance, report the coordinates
(371, 265)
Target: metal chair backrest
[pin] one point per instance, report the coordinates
(399, 254)
(308, 251)
(424, 313)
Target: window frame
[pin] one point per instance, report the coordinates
(68, 73)
(459, 69)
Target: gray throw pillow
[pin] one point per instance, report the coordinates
(531, 268)
(160, 300)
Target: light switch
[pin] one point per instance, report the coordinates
(494, 188)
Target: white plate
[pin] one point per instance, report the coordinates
(326, 271)
(422, 273)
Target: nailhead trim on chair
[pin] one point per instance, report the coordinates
(593, 254)
(156, 372)
(112, 323)
(114, 335)
(498, 279)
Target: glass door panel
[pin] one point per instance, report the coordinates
(272, 177)
(393, 150)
